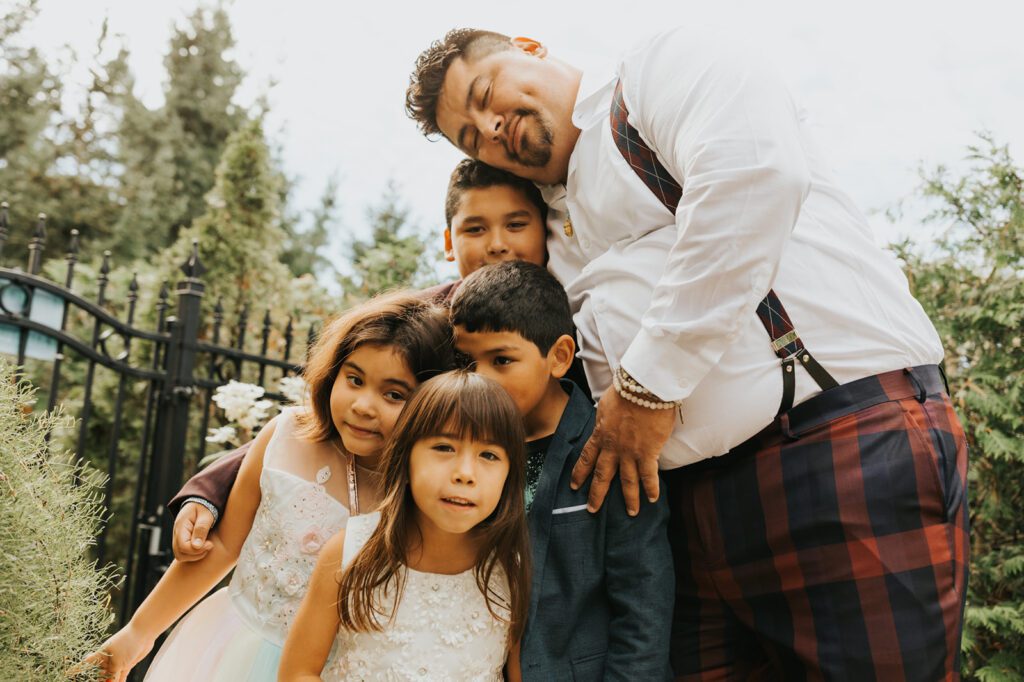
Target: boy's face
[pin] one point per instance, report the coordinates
(514, 362)
(493, 225)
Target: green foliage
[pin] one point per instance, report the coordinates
(972, 286)
(52, 597)
(239, 239)
(304, 248)
(391, 258)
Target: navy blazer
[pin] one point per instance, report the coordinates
(603, 586)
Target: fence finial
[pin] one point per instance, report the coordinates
(3, 224)
(71, 257)
(35, 247)
(193, 268)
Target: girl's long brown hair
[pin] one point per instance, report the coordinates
(478, 408)
(417, 329)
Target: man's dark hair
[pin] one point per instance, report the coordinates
(427, 77)
(473, 174)
(517, 297)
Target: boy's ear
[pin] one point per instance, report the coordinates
(449, 250)
(532, 47)
(560, 355)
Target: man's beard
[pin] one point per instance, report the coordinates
(534, 151)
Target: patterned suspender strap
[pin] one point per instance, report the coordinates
(786, 343)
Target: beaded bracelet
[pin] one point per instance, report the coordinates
(631, 391)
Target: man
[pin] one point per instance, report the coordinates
(687, 204)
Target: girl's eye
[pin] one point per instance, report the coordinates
(395, 396)
(444, 447)
(355, 380)
(492, 456)
(516, 226)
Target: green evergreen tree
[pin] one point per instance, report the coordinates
(170, 155)
(30, 99)
(239, 237)
(53, 609)
(972, 285)
(395, 256)
(304, 248)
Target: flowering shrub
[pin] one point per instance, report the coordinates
(246, 411)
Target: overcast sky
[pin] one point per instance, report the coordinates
(889, 85)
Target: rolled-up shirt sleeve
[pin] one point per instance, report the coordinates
(725, 127)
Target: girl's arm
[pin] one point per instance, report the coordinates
(316, 623)
(184, 584)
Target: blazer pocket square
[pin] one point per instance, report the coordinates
(569, 510)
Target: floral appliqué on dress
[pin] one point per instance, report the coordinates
(294, 520)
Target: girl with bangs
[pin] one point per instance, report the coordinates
(309, 470)
(434, 586)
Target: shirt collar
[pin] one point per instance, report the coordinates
(590, 105)
(590, 97)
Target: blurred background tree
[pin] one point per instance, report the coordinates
(971, 283)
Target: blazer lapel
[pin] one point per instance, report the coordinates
(574, 419)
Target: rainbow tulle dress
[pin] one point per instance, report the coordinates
(236, 634)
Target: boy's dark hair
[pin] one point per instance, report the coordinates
(473, 174)
(517, 297)
(427, 78)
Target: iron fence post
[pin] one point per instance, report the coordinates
(171, 430)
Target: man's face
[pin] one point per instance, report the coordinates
(512, 109)
(493, 225)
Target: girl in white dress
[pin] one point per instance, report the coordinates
(434, 586)
(307, 471)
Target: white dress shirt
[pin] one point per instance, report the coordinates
(673, 298)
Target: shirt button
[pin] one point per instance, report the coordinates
(585, 243)
(475, 614)
(435, 587)
(422, 672)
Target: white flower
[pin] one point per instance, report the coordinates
(294, 389)
(237, 399)
(243, 404)
(224, 434)
(257, 414)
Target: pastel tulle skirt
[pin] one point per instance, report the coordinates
(214, 644)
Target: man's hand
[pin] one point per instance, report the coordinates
(630, 436)
(191, 527)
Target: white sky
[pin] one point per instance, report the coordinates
(890, 85)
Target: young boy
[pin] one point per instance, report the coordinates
(600, 605)
(491, 216)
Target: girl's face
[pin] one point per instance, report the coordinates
(456, 482)
(371, 388)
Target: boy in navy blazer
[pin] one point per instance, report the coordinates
(603, 587)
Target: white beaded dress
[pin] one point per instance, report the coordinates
(236, 634)
(442, 630)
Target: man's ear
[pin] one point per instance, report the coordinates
(532, 47)
(560, 355)
(449, 250)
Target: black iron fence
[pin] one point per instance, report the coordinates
(157, 385)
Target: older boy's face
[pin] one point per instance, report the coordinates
(493, 225)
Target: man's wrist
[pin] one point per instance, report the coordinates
(203, 503)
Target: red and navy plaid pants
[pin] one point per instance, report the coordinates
(833, 545)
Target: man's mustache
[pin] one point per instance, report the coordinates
(526, 145)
